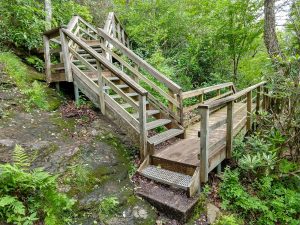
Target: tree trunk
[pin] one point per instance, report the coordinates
(48, 13)
(270, 36)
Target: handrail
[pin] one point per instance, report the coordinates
(231, 127)
(72, 23)
(113, 26)
(52, 33)
(124, 77)
(194, 93)
(233, 97)
(136, 59)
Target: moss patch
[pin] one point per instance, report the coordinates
(28, 81)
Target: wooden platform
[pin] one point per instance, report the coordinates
(186, 151)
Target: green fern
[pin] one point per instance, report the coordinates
(20, 158)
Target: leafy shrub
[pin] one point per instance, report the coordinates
(37, 96)
(272, 202)
(30, 196)
(36, 62)
(23, 22)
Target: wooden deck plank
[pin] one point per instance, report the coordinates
(186, 151)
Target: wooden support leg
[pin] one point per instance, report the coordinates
(204, 139)
(219, 168)
(229, 131)
(76, 92)
(57, 86)
(249, 110)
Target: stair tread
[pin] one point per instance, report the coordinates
(157, 123)
(83, 51)
(113, 78)
(88, 60)
(120, 86)
(132, 94)
(161, 137)
(127, 105)
(150, 112)
(178, 180)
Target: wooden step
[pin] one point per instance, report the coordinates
(88, 60)
(84, 66)
(83, 51)
(161, 137)
(113, 78)
(131, 94)
(157, 123)
(168, 177)
(120, 86)
(170, 201)
(127, 105)
(150, 112)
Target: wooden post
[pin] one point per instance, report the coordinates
(249, 110)
(170, 104)
(229, 129)
(123, 37)
(47, 57)
(119, 32)
(204, 144)
(267, 99)
(258, 97)
(219, 168)
(201, 97)
(143, 130)
(180, 109)
(100, 84)
(76, 93)
(264, 103)
(66, 56)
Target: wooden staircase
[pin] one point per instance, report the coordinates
(198, 136)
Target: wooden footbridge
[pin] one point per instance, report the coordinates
(182, 135)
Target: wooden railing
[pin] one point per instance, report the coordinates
(114, 28)
(103, 82)
(53, 57)
(143, 73)
(245, 96)
(195, 98)
(57, 64)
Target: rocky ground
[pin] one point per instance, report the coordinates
(93, 158)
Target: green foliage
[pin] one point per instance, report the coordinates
(20, 158)
(200, 42)
(108, 207)
(228, 220)
(30, 196)
(36, 62)
(37, 96)
(271, 203)
(23, 21)
(35, 91)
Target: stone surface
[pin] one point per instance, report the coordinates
(212, 213)
(92, 158)
(172, 202)
(9, 143)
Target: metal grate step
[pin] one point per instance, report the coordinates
(168, 177)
